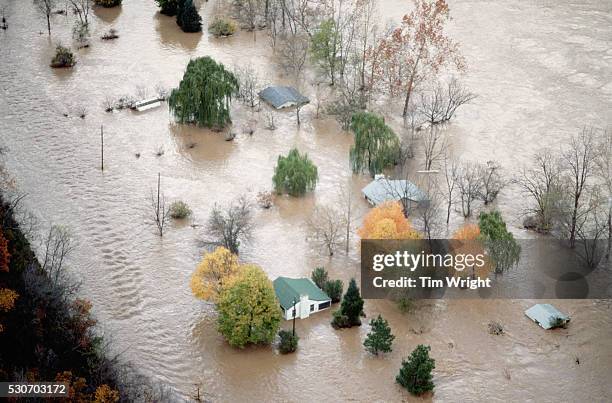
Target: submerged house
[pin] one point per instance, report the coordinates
(547, 316)
(301, 295)
(382, 189)
(283, 97)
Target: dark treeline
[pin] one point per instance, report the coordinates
(47, 333)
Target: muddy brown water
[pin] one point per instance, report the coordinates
(541, 69)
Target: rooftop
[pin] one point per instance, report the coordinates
(382, 189)
(289, 290)
(282, 97)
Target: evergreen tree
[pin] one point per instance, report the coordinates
(168, 7)
(499, 242)
(319, 277)
(333, 288)
(204, 94)
(376, 145)
(415, 373)
(352, 304)
(380, 338)
(188, 17)
(295, 174)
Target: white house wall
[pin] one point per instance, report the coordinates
(305, 313)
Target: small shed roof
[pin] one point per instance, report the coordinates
(290, 289)
(545, 314)
(281, 97)
(382, 189)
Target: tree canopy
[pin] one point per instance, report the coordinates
(295, 174)
(376, 145)
(204, 94)
(249, 312)
(212, 273)
(415, 373)
(499, 242)
(187, 16)
(168, 7)
(387, 221)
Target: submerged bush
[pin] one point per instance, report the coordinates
(63, 57)
(168, 7)
(222, 27)
(179, 209)
(107, 3)
(295, 174)
(288, 342)
(188, 17)
(333, 288)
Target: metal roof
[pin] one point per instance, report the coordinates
(290, 289)
(544, 314)
(382, 189)
(280, 97)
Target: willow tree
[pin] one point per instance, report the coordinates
(376, 145)
(295, 174)
(204, 94)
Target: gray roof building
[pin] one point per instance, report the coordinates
(283, 97)
(382, 189)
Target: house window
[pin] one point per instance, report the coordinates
(324, 305)
(312, 307)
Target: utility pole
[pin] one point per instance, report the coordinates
(294, 304)
(102, 146)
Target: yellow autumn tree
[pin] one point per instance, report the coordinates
(387, 221)
(467, 241)
(213, 271)
(105, 394)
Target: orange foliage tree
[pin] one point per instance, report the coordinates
(387, 221)
(467, 241)
(105, 394)
(417, 49)
(212, 272)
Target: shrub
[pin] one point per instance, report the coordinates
(415, 373)
(179, 209)
(319, 277)
(288, 342)
(222, 27)
(557, 322)
(110, 35)
(495, 328)
(404, 304)
(265, 199)
(333, 288)
(63, 57)
(107, 3)
(339, 320)
(295, 174)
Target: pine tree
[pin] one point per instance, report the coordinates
(188, 17)
(352, 304)
(168, 7)
(380, 338)
(415, 373)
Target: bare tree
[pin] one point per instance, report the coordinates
(469, 184)
(440, 104)
(579, 161)
(435, 143)
(348, 207)
(231, 226)
(46, 8)
(249, 85)
(250, 13)
(348, 101)
(604, 171)
(592, 227)
(326, 228)
(492, 181)
(57, 245)
(451, 174)
(160, 212)
(428, 213)
(540, 183)
(293, 53)
(81, 8)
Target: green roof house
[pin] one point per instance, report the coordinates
(301, 295)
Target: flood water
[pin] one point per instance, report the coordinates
(541, 69)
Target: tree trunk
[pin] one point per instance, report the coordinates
(49, 24)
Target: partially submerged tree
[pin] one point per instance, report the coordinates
(499, 242)
(376, 145)
(604, 171)
(231, 226)
(415, 373)
(379, 339)
(492, 181)
(63, 57)
(319, 277)
(212, 273)
(351, 308)
(249, 312)
(387, 221)
(46, 7)
(249, 85)
(333, 289)
(294, 174)
(160, 212)
(469, 185)
(168, 7)
(327, 228)
(439, 104)
(107, 3)
(204, 94)
(293, 54)
(81, 8)
(187, 16)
